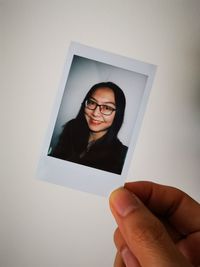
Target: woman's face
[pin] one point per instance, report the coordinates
(98, 122)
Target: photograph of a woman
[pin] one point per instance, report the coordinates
(95, 120)
(91, 138)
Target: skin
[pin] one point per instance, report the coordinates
(157, 226)
(97, 122)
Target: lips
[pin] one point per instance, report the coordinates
(94, 122)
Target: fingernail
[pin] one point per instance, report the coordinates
(129, 259)
(123, 201)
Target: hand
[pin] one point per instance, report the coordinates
(158, 226)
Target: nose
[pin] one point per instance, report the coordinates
(96, 111)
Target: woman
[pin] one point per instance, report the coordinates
(91, 138)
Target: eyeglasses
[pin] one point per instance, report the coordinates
(104, 109)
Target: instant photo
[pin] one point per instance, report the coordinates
(95, 120)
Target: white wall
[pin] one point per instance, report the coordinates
(47, 225)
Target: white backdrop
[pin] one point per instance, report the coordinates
(46, 225)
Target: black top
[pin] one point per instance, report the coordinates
(100, 154)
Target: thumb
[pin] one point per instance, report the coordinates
(143, 232)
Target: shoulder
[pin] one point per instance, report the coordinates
(118, 155)
(119, 145)
(68, 126)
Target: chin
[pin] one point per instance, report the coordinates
(96, 129)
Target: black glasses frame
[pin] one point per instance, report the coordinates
(100, 107)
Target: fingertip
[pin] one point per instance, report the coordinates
(113, 194)
(115, 191)
(118, 261)
(123, 202)
(129, 258)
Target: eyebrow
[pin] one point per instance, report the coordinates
(103, 102)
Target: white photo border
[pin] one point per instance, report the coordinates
(82, 177)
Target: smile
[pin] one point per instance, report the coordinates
(94, 122)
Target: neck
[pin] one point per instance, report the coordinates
(95, 136)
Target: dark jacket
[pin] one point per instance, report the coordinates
(108, 156)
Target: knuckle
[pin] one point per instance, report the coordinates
(118, 239)
(116, 236)
(149, 232)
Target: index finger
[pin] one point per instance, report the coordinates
(181, 210)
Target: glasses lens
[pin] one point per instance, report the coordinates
(106, 110)
(90, 104)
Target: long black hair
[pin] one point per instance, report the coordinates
(120, 102)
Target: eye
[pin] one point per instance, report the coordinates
(90, 102)
(107, 108)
